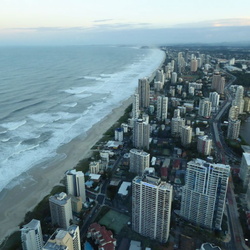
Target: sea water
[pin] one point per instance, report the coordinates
(50, 95)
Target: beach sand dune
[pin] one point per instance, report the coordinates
(16, 202)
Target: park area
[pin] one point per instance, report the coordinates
(114, 221)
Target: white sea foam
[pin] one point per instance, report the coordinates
(13, 125)
(5, 140)
(93, 78)
(70, 105)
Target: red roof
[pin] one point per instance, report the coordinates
(104, 236)
(177, 163)
(164, 172)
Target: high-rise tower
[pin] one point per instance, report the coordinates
(75, 184)
(135, 107)
(162, 108)
(204, 193)
(31, 236)
(141, 133)
(143, 91)
(60, 210)
(151, 207)
(139, 160)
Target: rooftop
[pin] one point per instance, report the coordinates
(33, 224)
(247, 158)
(123, 190)
(60, 199)
(208, 246)
(74, 172)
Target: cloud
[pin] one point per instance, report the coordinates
(102, 20)
(125, 33)
(120, 26)
(216, 23)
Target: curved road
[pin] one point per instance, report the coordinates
(223, 154)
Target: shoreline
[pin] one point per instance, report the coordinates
(20, 199)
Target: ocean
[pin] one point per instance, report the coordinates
(50, 95)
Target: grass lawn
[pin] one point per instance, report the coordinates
(114, 220)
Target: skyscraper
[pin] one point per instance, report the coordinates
(135, 107)
(174, 77)
(159, 76)
(214, 98)
(215, 80)
(194, 65)
(239, 98)
(186, 135)
(205, 108)
(141, 133)
(204, 193)
(204, 145)
(139, 160)
(162, 108)
(245, 169)
(218, 83)
(233, 113)
(31, 236)
(233, 129)
(75, 184)
(60, 210)
(143, 91)
(176, 125)
(151, 207)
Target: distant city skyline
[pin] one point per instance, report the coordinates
(127, 22)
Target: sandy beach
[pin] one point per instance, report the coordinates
(16, 202)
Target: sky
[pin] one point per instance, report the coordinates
(145, 22)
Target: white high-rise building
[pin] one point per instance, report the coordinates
(174, 77)
(247, 104)
(218, 83)
(141, 133)
(245, 169)
(177, 113)
(151, 207)
(194, 65)
(158, 86)
(214, 98)
(239, 98)
(233, 129)
(60, 210)
(162, 108)
(31, 236)
(205, 108)
(75, 184)
(159, 76)
(94, 167)
(204, 193)
(221, 86)
(215, 80)
(135, 107)
(64, 239)
(204, 145)
(119, 134)
(186, 135)
(143, 91)
(139, 160)
(233, 113)
(176, 125)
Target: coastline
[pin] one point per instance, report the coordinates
(16, 202)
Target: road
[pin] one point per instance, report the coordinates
(100, 199)
(223, 154)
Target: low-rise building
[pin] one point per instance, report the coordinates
(102, 237)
